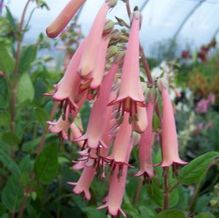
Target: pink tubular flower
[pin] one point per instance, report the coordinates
(60, 127)
(122, 143)
(75, 133)
(117, 188)
(67, 89)
(84, 182)
(116, 192)
(141, 121)
(145, 146)
(89, 57)
(170, 153)
(130, 94)
(98, 72)
(63, 18)
(99, 116)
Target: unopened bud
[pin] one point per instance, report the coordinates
(112, 51)
(120, 55)
(108, 27)
(162, 83)
(121, 22)
(137, 15)
(151, 95)
(111, 3)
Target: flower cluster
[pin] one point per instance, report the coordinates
(105, 70)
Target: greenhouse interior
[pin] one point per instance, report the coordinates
(109, 108)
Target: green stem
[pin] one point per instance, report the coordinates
(194, 199)
(45, 131)
(16, 68)
(138, 191)
(174, 186)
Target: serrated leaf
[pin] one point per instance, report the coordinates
(28, 55)
(193, 172)
(12, 193)
(6, 60)
(172, 213)
(9, 163)
(46, 165)
(25, 89)
(156, 194)
(205, 215)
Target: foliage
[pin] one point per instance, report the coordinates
(36, 166)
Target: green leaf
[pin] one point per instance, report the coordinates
(25, 89)
(156, 122)
(6, 60)
(26, 164)
(28, 55)
(146, 212)
(9, 163)
(93, 212)
(10, 138)
(41, 115)
(12, 193)
(11, 19)
(4, 93)
(195, 170)
(46, 165)
(85, 111)
(4, 119)
(173, 213)
(155, 192)
(205, 215)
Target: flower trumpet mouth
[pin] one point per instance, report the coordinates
(128, 105)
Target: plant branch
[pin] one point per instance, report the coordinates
(45, 131)
(19, 39)
(174, 186)
(194, 199)
(138, 191)
(128, 8)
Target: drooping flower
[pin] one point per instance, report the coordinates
(140, 121)
(98, 118)
(90, 54)
(67, 90)
(76, 133)
(115, 195)
(64, 18)
(60, 127)
(130, 95)
(98, 72)
(145, 146)
(170, 146)
(122, 144)
(84, 182)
